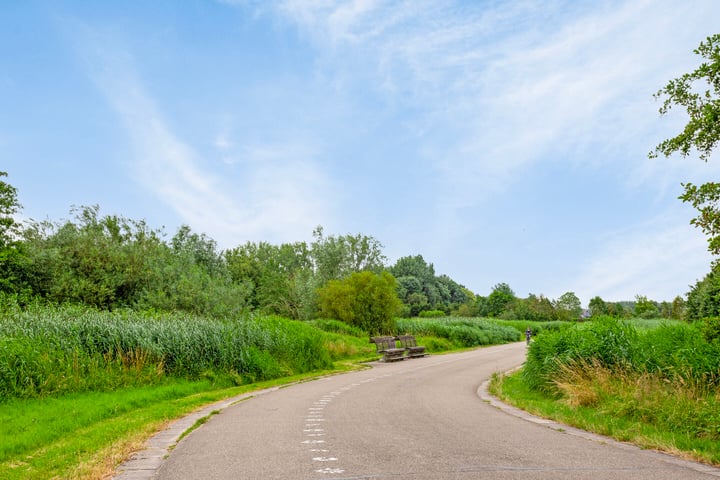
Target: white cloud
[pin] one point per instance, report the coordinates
(279, 198)
(502, 85)
(659, 259)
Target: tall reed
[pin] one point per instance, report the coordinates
(51, 349)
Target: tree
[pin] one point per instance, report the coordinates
(701, 133)
(645, 308)
(11, 258)
(597, 307)
(677, 311)
(9, 207)
(703, 300)
(568, 306)
(363, 299)
(499, 299)
(280, 278)
(104, 261)
(200, 247)
(434, 292)
(410, 291)
(337, 257)
(617, 309)
(534, 308)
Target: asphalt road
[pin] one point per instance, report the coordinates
(419, 419)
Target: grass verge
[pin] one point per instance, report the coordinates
(639, 409)
(86, 435)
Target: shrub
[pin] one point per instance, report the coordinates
(711, 329)
(364, 299)
(432, 314)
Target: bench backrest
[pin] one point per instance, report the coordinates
(384, 343)
(407, 341)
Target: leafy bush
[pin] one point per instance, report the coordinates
(364, 299)
(703, 300)
(711, 329)
(432, 314)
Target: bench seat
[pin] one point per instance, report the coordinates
(411, 347)
(388, 348)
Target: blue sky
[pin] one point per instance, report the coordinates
(505, 141)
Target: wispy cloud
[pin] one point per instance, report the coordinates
(660, 259)
(496, 97)
(504, 88)
(278, 198)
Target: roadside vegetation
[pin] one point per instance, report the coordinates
(654, 384)
(80, 388)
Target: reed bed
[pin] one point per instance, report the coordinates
(58, 349)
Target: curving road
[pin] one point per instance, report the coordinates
(419, 419)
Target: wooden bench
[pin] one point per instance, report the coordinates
(411, 347)
(388, 347)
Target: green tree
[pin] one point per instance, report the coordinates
(701, 133)
(677, 310)
(501, 297)
(336, 257)
(703, 299)
(598, 307)
(481, 306)
(12, 260)
(427, 297)
(9, 206)
(617, 309)
(364, 299)
(99, 261)
(541, 308)
(411, 293)
(568, 306)
(190, 274)
(110, 261)
(533, 308)
(279, 278)
(201, 248)
(645, 308)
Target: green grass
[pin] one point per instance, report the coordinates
(630, 411)
(85, 435)
(676, 352)
(459, 332)
(654, 383)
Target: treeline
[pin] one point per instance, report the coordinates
(112, 262)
